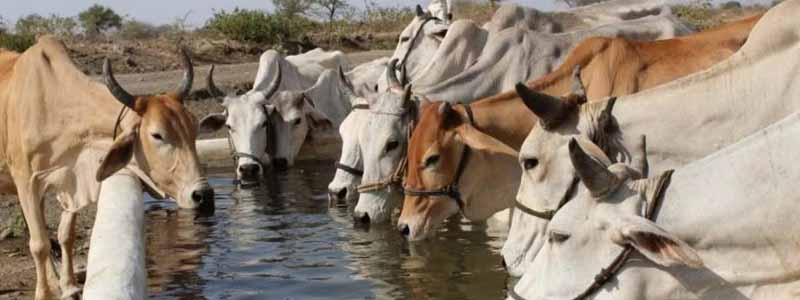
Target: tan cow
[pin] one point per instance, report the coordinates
(613, 66)
(57, 134)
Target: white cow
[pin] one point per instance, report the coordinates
(514, 54)
(296, 115)
(349, 168)
(365, 77)
(245, 115)
(686, 120)
(723, 227)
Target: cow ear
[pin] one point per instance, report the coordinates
(118, 157)
(479, 141)
(212, 122)
(653, 242)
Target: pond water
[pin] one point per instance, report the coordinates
(281, 241)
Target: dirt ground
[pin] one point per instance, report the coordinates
(17, 278)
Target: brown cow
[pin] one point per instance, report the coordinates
(612, 67)
(57, 130)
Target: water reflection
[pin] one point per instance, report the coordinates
(280, 240)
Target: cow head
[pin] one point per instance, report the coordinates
(590, 231)
(161, 142)
(436, 151)
(383, 142)
(548, 178)
(419, 41)
(298, 114)
(246, 117)
(348, 176)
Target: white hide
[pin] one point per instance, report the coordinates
(684, 120)
(725, 229)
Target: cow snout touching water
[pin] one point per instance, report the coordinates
(249, 172)
(203, 197)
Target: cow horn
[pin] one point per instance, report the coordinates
(345, 81)
(640, 161)
(212, 88)
(420, 12)
(188, 75)
(578, 88)
(113, 86)
(594, 175)
(546, 107)
(391, 76)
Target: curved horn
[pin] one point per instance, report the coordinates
(391, 76)
(188, 75)
(113, 86)
(345, 81)
(420, 12)
(578, 88)
(212, 88)
(640, 160)
(273, 86)
(594, 175)
(546, 107)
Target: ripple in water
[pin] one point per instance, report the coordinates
(281, 241)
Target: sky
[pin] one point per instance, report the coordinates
(166, 11)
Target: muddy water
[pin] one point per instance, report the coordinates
(282, 241)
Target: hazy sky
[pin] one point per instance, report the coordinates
(165, 11)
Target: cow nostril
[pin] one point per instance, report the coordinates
(249, 170)
(342, 194)
(204, 195)
(404, 230)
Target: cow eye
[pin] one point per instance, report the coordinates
(431, 160)
(404, 39)
(530, 163)
(558, 237)
(229, 127)
(391, 145)
(297, 122)
(157, 136)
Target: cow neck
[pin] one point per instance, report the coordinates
(505, 118)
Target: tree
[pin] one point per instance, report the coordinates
(576, 3)
(291, 8)
(3, 25)
(330, 10)
(98, 18)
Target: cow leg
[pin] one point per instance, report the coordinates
(39, 243)
(66, 238)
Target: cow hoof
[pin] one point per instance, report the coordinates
(72, 293)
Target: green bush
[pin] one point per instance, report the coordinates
(35, 24)
(698, 15)
(256, 26)
(16, 42)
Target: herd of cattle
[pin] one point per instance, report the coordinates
(446, 126)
